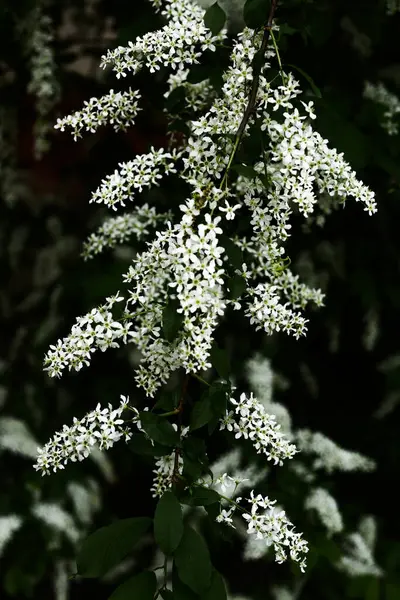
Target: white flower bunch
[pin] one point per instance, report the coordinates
(325, 505)
(273, 527)
(377, 92)
(118, 230)
(102, 427)
(96, 329)
(58, 519)
(37, 36)
(329, 456)
(9, 524)
(358, 559)
(117, 108)
(16, 437)
(256, 424)
(172, 46)
(143, 171)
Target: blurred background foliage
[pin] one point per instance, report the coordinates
(344, 377)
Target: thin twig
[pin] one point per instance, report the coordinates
(257, 66)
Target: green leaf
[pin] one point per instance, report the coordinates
(192, 469)
(168, 400)
(201, 497)
(201, 412)
(220, 361)
(139, 587)
(255, 13)
(168, 523)
(237, 286)
(214, 18)
(107, 546)
(217, 590)
(315, 89)
(180, 590)
(193, 562)
(159, 429)
(140, 444)
(232, 251)
(219, 401)
(171, 320)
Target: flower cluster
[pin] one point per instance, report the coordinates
(36, 31)
(329, 456)
(16, 437)
(118, 230)
(175, 45)
(117, 108)
(145, 170)
(358, 559)
(378, 93)
(271, 527)
(325, 505)
(197, 95)
(102, 427)
(256, 424)
(98, 329)
(9, 524)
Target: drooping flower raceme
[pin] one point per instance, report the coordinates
(377, 92)
(250, 420)
(102, 427)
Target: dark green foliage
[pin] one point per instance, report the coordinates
(168, 523)
(142, 586)
(193, 562)
(214, 18)
(107, 546)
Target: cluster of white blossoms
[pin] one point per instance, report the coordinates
(325, 505)
(96, 330)
(181, 42)
(377, 92)
(118, 230)
(101, 427)
(9, 524)
(145, 170)
(358, 559)
(117, 108)
(251, 421)
(37, 36)
(271, 527)
(329, 456)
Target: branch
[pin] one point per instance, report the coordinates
(257, 65)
